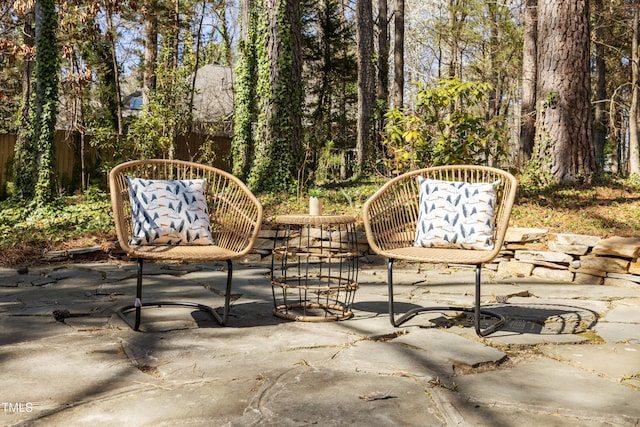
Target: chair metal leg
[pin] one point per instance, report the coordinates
(392, 316)
(477, 310)
(138, 301)
(227, 294)
(138, 304)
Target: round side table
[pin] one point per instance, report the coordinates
(314, 267)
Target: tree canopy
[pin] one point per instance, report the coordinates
(310, 86)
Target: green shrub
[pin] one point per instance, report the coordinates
(448, 126)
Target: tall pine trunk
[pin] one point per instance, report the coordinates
(244, 106)
(383, 63)
(150, 50)
(529, 67)
(279, 134)
(366, 80)
(634, 109)
(600, 118)
(47, 67)
(24, 152)
(398, 55)
(564, 144)
(116, 70)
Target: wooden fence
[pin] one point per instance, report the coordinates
(7, 145)
(68, 166)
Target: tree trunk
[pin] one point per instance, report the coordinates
(564, 143)
(321, 115)
(455, 21)
(493, 75)
(150, 50)
(529, 68)
(246, 23)
(175, 64)
(227, 49)
(366, 79)
(295, 92)
(634, 116)
(196, 66)
(47, 68)
(79, 119)
(398, 55)
(116, 70)
(280, 98)
(244, 104)
(270, 76)
(600, 111)
(24, 160)
(176, 33)
(383, 62)
(29, 35)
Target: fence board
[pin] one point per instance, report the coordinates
(7, 145)
(67, 154)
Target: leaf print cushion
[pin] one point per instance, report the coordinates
(456, 214)
(169, 212)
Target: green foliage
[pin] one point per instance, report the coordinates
(10, 100)
(329, 75)
(316, 192)
(537, 173)
(346, 198)
(209, 149)
(45, 191)
(280, 97)
(101, 121)
(447, 127)
(21, 223)
(551, 100)
(168, 114)
(34, 167)
(47, 69)
(634, 179)
(150, 135)
(328, 164)
(24, 167)
(245, 100)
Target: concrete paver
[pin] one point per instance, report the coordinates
(569, 354)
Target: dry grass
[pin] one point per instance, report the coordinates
(604, 210)
(611, 208)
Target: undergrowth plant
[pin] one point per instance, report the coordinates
(447, 126)
(605, 207)
(68, 218)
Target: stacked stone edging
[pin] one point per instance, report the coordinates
(266, 240)
(533, 252)
(577, 258)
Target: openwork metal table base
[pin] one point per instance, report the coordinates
(314, 268)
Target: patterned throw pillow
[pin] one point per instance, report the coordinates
(170, 212)
(456, 214)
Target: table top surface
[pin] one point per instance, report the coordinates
(315, 219)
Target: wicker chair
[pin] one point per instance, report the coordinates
(235, 217)
(390, 220)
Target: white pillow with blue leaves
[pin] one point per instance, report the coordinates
(456, 214)
(169, 212)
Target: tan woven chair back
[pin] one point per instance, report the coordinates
(235, 213)
(391, 214)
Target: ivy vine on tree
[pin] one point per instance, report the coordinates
(35, 160)
(278, 139)
(245, 93)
